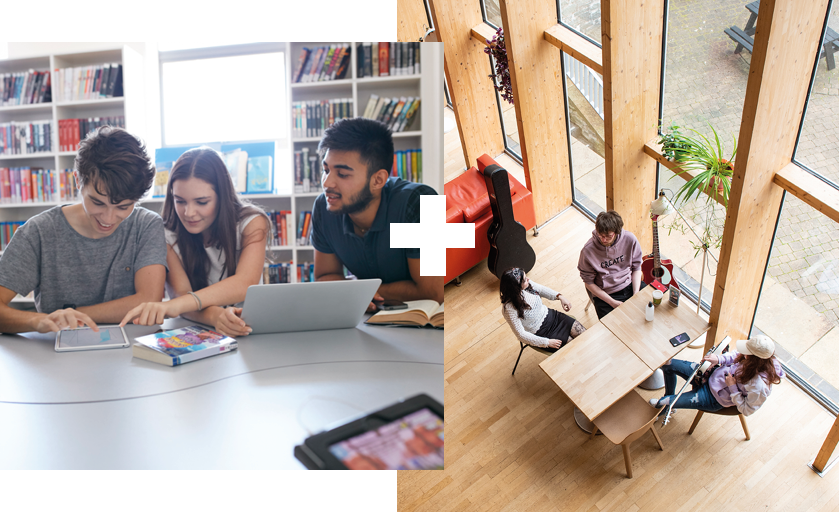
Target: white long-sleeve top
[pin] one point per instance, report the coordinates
(533, 317)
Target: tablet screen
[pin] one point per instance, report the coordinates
(86, 337)
(414, 441)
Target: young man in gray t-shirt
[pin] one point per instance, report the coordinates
(93, 261)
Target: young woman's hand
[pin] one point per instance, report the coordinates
(230, 323)
(730, 380)
(565, 304)
(712, 358)
(555, 343)
(150, 313)
(64, 319)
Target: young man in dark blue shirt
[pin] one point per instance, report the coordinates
(351, 218)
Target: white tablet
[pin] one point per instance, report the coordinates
(85, 338)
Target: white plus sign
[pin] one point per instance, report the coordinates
(432, 235)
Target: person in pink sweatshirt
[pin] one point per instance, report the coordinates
(610, 263)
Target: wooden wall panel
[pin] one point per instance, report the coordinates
(411, 20)
(467, 72)
(785, 48)
(538, 91)
(631, 82)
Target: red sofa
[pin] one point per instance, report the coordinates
(467, 201)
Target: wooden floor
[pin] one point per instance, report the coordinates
(512, 444)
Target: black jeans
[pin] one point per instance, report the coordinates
(623, 295)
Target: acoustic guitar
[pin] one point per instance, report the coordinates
(508, 245)
(654, 267)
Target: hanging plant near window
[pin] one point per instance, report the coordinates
(501, 77)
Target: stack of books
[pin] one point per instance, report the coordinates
(36, 185)
(306, 272)
(304, 228)
(407, 164)
(322, 63)
(311, 118)
(277, 273)
(388, 59)
(279, 226)
(72, 131)
(397, 113)
(25, 88)
(308, 170)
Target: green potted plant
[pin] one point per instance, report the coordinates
(702, 158)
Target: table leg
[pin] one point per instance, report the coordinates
(828, 50)
(654, 381)
(584, 423)
(750, 25)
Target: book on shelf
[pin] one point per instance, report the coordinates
(275, 273)
(304, 228)
(22, 185)
(179, 346)
(161, 178)
(25, 88)
(279, 226)
(88, 82)
(236, 162)
(7, 229)
(311, 118)
(397, 113)
(420, 313)
(388, 59)
(72, 131)
(308, 171)
(322, 63)
(260, 175)
(407, 164)
(305, 272)
(25, 137)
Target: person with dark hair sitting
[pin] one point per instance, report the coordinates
(93, 261)
(351, 218)
(215, 246)
(532, 321)
(610, 263)
(743, 380)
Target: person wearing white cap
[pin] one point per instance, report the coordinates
(743, 379)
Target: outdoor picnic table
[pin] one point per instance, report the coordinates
(743, 37)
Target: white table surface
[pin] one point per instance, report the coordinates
(246, 409)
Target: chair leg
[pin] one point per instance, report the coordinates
(658, 439)
(523, 346)
(587, 306)
(745, 428)
(535, 231)
(627, 459)
(593, 433)
(695, 421)
(457, 281)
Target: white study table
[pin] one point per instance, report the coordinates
(104, 409)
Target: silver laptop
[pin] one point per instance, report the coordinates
(290, 307)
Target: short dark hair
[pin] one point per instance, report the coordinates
(609, 222)
(372, 139)
(116, 163)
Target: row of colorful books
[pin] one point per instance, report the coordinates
(304, 228)
(72, 131)
(311, 118)
(7, 229)
(36, 185)
(322, 63)
(25, 137)
(25, 88)
(308, 170)
(397, 113)
(281, 272)
(407, 165)
(280, 225)
(88, 82)
(388, 59)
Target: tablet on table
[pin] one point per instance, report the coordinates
(85, 338)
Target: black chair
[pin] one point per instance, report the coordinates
(537, 349)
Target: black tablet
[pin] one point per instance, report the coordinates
(406, 435)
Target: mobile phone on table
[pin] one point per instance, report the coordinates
(390, 305)
(678, 340)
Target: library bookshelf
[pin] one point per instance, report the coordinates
(426, 132)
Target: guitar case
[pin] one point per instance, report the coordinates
(508, 245)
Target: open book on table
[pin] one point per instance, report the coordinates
(419, 313)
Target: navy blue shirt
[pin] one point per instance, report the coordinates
(370, 256)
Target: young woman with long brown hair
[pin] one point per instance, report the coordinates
(744, 379)
(215, 246)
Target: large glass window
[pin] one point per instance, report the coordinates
(582, 16)
(818, 144)
(492, 12)
(210, 95)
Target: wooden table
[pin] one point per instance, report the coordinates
(615, 355)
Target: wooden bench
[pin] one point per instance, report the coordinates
(742, 39)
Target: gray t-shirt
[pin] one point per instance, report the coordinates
(63, 267)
